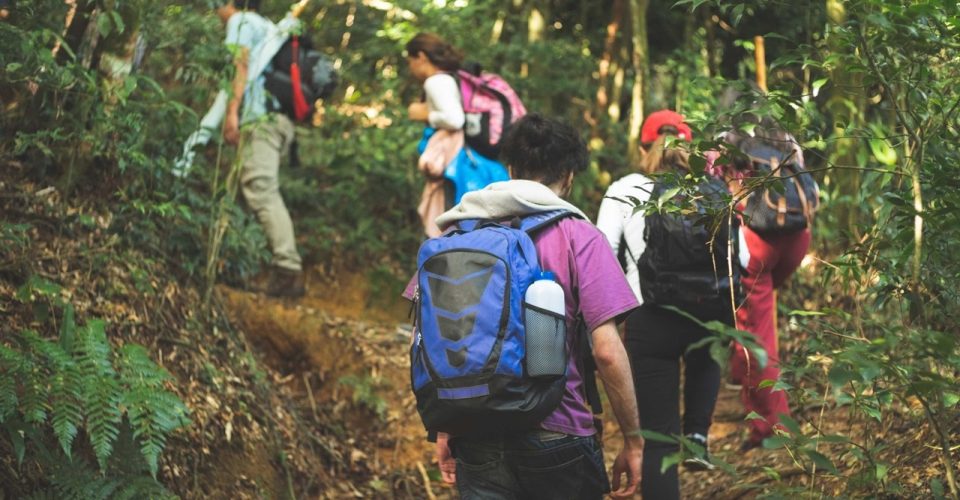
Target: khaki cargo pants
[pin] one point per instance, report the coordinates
(268, 141)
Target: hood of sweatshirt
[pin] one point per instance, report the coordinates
(505, 199)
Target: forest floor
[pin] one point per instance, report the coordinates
(360, 355)
(310, 398)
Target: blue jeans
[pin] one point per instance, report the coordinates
(530, 465)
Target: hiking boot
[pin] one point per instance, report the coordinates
(285, 283)
(698, 463)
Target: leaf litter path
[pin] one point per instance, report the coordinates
(347, 362)
(352, 370)
(348, 366)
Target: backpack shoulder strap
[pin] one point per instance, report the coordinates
(468, 224)
(535, 222)
(588, 367)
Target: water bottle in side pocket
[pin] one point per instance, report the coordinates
(545, 327)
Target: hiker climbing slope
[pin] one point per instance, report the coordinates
(452, 166)
(268, 138)
(513, 434)
(776, 235)
(670, 261)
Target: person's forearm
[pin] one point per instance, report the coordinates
(239, 81)
(613, 367)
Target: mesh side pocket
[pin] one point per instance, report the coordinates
(546, 342)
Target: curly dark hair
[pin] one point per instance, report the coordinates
(543, 149)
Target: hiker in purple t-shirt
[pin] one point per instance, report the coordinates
(563, 458)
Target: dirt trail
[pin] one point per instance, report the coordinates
(349, 361)
(348, 364)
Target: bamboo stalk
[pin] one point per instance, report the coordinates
(760, 58)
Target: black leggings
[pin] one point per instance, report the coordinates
(656, 340)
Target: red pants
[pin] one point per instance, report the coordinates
(773, 258)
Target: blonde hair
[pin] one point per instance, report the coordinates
(660, 158)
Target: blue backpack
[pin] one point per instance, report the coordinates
(467, 358)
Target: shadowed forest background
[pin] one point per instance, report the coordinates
(133, 364)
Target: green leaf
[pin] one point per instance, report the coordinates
(758, 352)
(670, 461)
(936, 487)
(883, 151)
(882, 470)
(658, 437)
(771, 473)
(736, 14)
(103, 25)
(840, 375)
(797, 312)
(16, 433)
(775, 442)
(821, 461)
(791, 425)
(754, 416)
(950, 399)
(766, 383)
(117, 21)
(872, 412)
(666, 196)
(817, 85)
(68, 329)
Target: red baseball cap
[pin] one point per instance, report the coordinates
(659, 119)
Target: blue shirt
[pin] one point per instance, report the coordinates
(248, 29)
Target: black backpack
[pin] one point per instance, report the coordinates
(789, 197)
(684, 263)
(317, 78)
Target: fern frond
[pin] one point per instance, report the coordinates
(47, 494)
(50, 353)
(68, 329)
(136, 367)
(78, 481)
(101, 397)
(153, 411)
(143, 487)
(101, 391)
(8, 395)
(34, 393)
(11, 369)
(67, 413)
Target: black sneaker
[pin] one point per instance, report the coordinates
(698, 463)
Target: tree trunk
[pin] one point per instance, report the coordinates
(536, 25)
(711, 46)
(606, 62)
(845, 105)
(638, 20)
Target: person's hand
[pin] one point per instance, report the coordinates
(628, 462)
(4, 13)
(231, 128)
(448, 464)
(418, 111)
